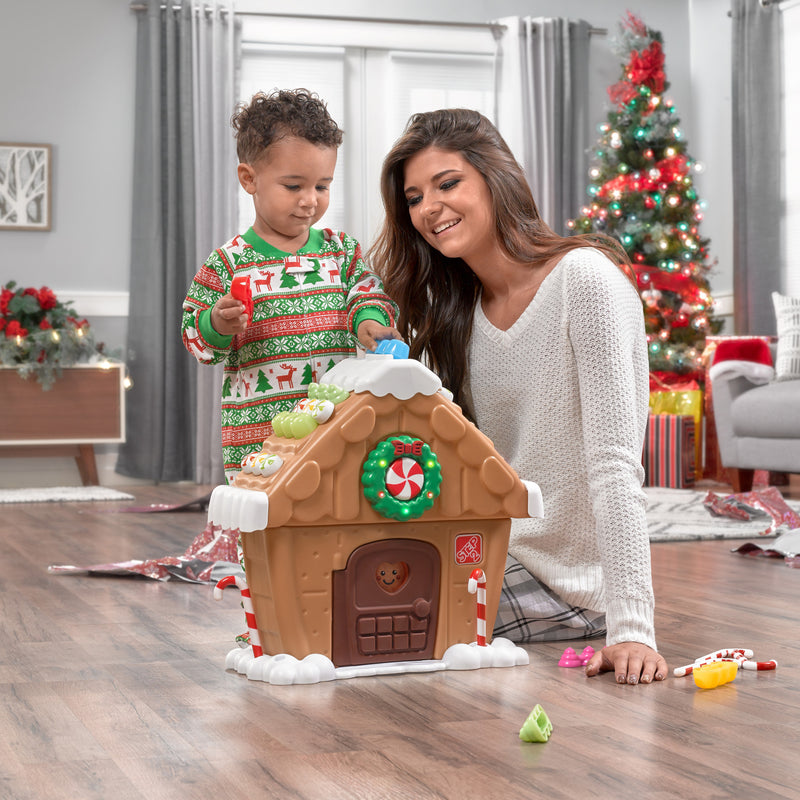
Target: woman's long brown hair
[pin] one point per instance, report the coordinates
(437, 295)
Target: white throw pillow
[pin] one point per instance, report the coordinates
(787, 315)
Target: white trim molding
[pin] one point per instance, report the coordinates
(96, 304)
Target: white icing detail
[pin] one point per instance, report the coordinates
(381, 374)
(232, 507)
(535, 504)
(261, 464)
(285, 670)
(446, 393)
(320, 410)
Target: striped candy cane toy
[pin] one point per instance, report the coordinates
(249, 614)
(477, 583)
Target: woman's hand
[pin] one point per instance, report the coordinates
(632, 662)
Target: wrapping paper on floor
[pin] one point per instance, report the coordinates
(747, 505)
(200, 563)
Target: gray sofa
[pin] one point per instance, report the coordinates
(758, 426)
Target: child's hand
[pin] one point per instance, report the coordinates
(229, 316)
(632, 662)
(371, 332)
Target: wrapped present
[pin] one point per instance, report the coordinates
(681, 398)
(669, 451)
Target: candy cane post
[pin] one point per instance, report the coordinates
(477, 586)
(247, 602)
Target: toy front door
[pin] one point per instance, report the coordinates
(386, 603)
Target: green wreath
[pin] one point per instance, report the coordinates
(377, 469)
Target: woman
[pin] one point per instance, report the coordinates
(541, 340)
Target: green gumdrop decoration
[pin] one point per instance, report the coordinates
(301, 424)
(279, 426)
(327, 391)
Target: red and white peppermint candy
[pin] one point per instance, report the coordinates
(404, 479)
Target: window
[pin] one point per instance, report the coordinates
(790, 280)
(373, 75)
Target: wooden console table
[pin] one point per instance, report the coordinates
(84, 407)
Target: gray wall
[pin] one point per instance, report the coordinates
(68, 80)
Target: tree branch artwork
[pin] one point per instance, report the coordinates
(25, 187)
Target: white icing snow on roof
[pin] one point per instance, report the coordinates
(382, 374)
(535, 503)
(232, 507)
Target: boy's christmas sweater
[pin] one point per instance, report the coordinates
(306, 310)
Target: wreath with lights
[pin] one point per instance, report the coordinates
(401, 477)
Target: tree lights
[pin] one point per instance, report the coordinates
(641, 191)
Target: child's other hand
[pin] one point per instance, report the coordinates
(371, 332)
(229, 316)
(632, 662)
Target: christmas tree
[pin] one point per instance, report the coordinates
(642, 194)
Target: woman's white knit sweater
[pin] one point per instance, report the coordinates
(563, 394)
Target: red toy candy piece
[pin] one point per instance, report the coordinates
(240, 289)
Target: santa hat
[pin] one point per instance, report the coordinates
(749, 358)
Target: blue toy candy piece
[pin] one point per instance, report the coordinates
(393, 347)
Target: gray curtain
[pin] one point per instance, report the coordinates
(172, 183)
(544, 71)
(756, 105)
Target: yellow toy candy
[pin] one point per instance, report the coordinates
(709, 676)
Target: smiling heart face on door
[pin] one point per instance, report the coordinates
(391, 577)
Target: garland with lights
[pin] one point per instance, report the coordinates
(642, 193)
(39, 334)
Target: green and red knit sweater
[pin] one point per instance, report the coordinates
(306, 311)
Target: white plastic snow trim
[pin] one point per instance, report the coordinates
(381, 375)
(231, 507)
(285, 670)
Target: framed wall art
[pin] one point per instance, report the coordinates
(25, 177)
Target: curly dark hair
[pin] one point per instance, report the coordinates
(283, 112)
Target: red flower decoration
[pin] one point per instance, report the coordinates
(622, 93)
(15, 329)
(647, 68)
(47, 298)
(5, 299)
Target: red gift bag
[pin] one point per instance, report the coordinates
(669, 451)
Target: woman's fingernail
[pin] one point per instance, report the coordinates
(620, 679)
(632, 679)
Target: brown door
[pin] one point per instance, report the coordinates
(386, 603)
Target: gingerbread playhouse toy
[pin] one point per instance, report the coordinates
(374, 528)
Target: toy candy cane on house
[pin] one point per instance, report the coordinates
(247, 602)
(477, 586)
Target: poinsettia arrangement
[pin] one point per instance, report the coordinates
(40, 334)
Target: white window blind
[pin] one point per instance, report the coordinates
(318, 69)
(791, 152)
(373, 78)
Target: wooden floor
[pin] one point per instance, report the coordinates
(114, 688)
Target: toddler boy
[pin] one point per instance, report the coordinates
(312, 294)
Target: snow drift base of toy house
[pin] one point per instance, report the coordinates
(284, 669)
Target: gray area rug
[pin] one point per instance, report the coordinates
(62, 494)
(676, 515)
